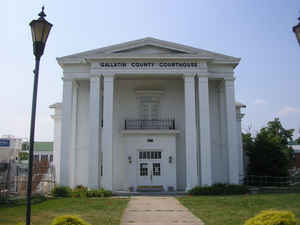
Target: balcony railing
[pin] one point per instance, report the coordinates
(166, 124)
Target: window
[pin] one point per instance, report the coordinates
(51, 158)
(149, 107)
(44, 157)
(156, 169)
(36, 157)
(143, 169)
(150, 155)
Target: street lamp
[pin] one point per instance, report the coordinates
(296, 29)
(40, 30)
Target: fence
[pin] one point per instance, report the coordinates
(166, 124)
(253, 180)
(43, 180)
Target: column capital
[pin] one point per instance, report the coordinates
(107, 74)
(229, 79)
(203, 74)
(203, 79)
(94, 75)
(189, 76)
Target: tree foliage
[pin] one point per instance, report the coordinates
(298, 141)
(268, 152)
(23, 155)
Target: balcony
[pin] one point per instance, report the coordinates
(135, 124)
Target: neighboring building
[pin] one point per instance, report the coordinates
(296, 148)
(9, 148)
(148, 113)
(42, 150)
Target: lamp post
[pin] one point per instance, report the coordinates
(296, 29)
(40, 30)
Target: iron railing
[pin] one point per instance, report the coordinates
(252, 180)
(136, 124)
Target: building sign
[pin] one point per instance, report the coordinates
(4, 142)
(164, 65)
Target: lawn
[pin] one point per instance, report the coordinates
(234, 210)
(96, 211)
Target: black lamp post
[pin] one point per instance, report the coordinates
(40, 30)
(296, 29)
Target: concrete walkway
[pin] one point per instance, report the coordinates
(157, 211)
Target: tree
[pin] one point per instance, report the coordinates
(298, 141)
(268, 152)
(23, 155)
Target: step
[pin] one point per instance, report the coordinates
(150, 188)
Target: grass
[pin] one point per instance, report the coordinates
(96, 211)
(234, 210)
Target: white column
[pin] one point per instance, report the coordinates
(66, 133)
(107, 136)
(204, 127)
(73, 150)
(190, 131)
(94, 132)
(239, 117)
(233, 155)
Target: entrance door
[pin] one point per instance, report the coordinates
(149, 168)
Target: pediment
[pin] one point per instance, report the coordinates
(147, 48)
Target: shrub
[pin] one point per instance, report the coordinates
(61, 191)
(272, 217)
(68, 220)
(79, 191)
(99, 193)
(219, 189)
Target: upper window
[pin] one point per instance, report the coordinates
(149, 108)
(149, 104)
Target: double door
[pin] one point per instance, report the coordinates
(149, 168)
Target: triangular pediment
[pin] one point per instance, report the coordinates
(147, 48)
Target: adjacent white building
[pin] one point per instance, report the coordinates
(148, 113)
(10, 146)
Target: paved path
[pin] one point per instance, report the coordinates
(157, 211)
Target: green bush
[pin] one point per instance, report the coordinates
(99, 193)
(68, 220)
(61, 191)
(272, 217)
(219, 189)
(79, 191)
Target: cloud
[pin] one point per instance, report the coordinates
(287, 110)
(260, 102)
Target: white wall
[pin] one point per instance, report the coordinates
(126, 107)
(165, 143)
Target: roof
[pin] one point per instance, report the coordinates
(130, 50)
(42, 146)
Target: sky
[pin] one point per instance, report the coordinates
(258, 31)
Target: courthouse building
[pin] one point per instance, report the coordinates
(148, 113)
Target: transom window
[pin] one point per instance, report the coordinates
(150, 155)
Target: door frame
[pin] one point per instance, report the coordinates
(150, 163)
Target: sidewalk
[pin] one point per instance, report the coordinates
(143, 210)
